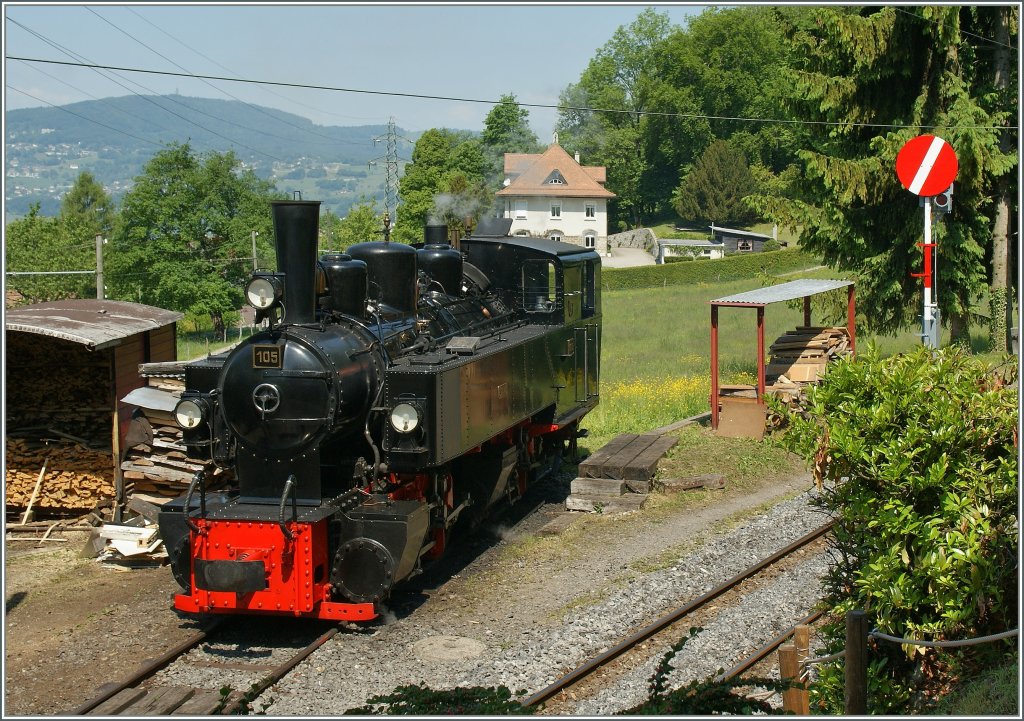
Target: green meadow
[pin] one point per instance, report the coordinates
(656, 350)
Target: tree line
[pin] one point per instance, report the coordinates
(791, 115)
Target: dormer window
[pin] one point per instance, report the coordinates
(556, 179)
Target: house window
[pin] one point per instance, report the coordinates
(556, 181)
(590, 240)
(591, 211)
(556, 210)
(555, 235)
(744, 246)
(522, 233)
(521, 210)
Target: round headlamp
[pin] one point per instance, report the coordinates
(405, 418)
(262, 292)
(188, 413)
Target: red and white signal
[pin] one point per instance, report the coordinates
(926, 165)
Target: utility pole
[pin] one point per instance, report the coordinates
(254, 234)
(99, 265)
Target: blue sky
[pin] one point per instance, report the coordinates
(470, 51)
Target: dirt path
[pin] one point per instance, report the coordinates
(72, 624)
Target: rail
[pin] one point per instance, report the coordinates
(669, 619)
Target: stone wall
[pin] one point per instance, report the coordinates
(642, 238)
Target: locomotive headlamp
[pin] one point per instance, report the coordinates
(263, 291)
(405, 418)
(189, 413)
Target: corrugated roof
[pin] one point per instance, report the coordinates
(783, 292)
(94, 323)
(535, 170)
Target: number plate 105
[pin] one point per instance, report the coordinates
(266, 356)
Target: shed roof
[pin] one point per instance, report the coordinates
(97, 324)
(785, 291)
(733, 232)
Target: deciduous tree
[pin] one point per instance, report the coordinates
(41, 244)
(185, 237)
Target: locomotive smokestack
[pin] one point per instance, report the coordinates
(436, 235)
(296, 229)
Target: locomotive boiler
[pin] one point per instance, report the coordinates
(397, 394)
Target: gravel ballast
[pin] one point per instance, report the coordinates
(510, 642)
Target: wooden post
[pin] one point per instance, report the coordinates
(760, 355)
(802, 642)
(856, 701)
(789, 670)
(714, 367)
(35, 492)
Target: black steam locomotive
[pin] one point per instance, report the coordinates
(396, 391)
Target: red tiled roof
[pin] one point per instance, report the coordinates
(535, 170)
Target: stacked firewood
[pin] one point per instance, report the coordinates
(800, 356)
(159, 468)
(73, 476)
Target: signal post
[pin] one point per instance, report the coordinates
(926, 166)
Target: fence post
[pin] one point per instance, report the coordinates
(856, 701)
(789, 670)
(802, 642)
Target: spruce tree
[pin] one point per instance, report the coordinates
(870, 79)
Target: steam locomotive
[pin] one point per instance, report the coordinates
(396, 392)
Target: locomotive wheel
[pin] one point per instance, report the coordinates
(363, 570)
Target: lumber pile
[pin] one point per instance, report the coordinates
(157, 466)
(76, 477)
(800, 356)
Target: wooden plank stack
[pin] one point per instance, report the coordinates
(800, 356)
(76, 478)
(161, 469)
(618, 476)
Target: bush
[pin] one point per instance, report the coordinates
(736, 267)
(917, 457)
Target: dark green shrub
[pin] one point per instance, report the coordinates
(420, 700)
(735, 267)
(917, 456)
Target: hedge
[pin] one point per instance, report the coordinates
(735, 267)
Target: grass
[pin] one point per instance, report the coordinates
(655, 355)
(992, 693)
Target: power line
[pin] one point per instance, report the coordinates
(420, 96)
(71, 112)
(97, 68)
(959, 30)
(224, 67)
(105, 102)
(219, 90)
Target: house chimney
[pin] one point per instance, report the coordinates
(577, 157)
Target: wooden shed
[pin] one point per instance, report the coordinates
(67, 364)
(746, 404)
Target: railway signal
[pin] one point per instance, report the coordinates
(926, 166)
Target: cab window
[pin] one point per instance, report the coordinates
(539, 286)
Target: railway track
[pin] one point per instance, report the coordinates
(587, 670)
(215, 671)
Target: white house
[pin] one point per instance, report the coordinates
(550, 195)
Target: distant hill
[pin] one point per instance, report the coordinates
(46, 148)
